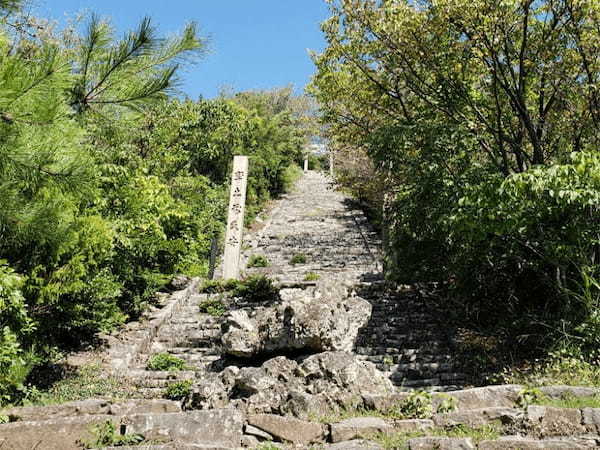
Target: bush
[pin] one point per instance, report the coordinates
(213, 307)
(311, 276)
(298, 258)
(165, 361)
(179, 390)
(256, 289)
(258, 261)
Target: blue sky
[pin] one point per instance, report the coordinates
(254, 44)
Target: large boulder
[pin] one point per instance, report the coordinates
(325, 318)
(315, 385)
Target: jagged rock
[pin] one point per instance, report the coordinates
(440, 443)
(289, 429)
(314, 386)
(358, 427)
(322, 319)
(180, 282)
(384, 403)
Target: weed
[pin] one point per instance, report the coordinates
(178, 390)
(400, 440)
(87, 382)
(298, 258)
(105, 435)
(258, 261)
(418, 405)
(563, 367)
(166, 361)
(267, 446)
(311, 276)
(446, 405)
(213, 306)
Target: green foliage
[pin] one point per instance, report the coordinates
(107, 187)
(256, 289)
(478, 140)
(218, 286)
(179, 390)
(258, 261)
(400, 440)
(106, 435)
(213, 306)
(165, 361)
(529, 396)
(298, 258)
(418, 405)
(566, 366)
(311, 276)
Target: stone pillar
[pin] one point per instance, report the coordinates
(235, 218)
(306, 165)
(331, 163)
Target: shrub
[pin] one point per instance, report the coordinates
(257, 288)
(311, 276)
(298, 258)
(165, 361)
(213, 307)
(218, 286)
(179, 390)
(258, 261)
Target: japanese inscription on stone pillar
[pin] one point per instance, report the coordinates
(235, 218)
(306, 165)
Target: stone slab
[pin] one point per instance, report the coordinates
(214, 428)
(477, 417)
(520, 443)
(65, 433)
(356, 444)
(288, 429)
(440, 443)
(547, 421)
(358, 427)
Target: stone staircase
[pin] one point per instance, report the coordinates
(404, 337)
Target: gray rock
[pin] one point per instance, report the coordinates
(487, 397)
(478, 417)
(440, 443)
(591, 419)
(356, 444)
(523, 443)
(412, 425)
(358, 427)
(249, 429)
(546, 421)
(574, 391)
(65, 433)
(288, 429)
(217, 428)
(318, 385)
(324, 319)
(384, 403)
